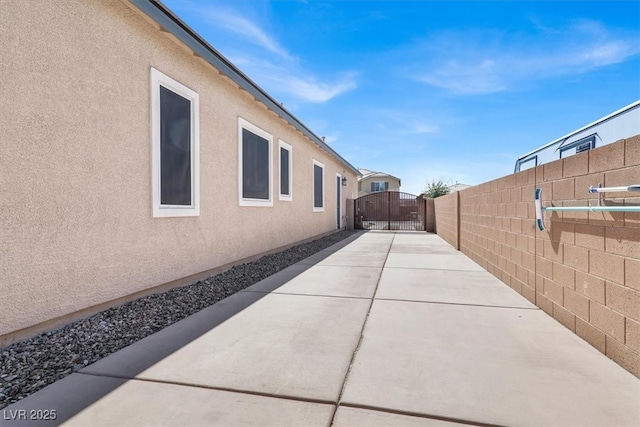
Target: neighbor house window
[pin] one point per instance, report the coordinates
(255, 157)
(175, 142)
(379, 186)
(585, 144)
(318, 186)
(286, 169)
(529, 163)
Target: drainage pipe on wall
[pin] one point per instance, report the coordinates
(593, 208)
(593, 189)
(540, 209)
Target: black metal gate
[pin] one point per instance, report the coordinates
(390, 210)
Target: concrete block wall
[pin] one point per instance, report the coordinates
(584, 268)
(431, 216)
(446, 218)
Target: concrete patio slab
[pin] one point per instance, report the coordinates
(404, 248)
(88, 400)
(317, 257)
(452, 287)
(445, 343)
(355, 259)
(456, 261)
(278, 279)
(356, 417)
(420, 239)
(283, 345)
(377, 236)
(354, 282)
(371, 247)
(491, 365)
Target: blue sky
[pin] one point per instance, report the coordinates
(428, 90)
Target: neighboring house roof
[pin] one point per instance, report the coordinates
(458, 186)
(169, 22)
(366, 173)
(619, 112)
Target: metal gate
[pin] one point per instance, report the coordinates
(390, 210)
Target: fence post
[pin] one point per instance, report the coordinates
(424, 216)
(389, 211)
(350, 208)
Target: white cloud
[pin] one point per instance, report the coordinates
(607, 53)
(404, 121)
(466, 78)
(273, 66)
(487, 61)
(230, 21)
(293, 84)
(421, 127)
(308, 88)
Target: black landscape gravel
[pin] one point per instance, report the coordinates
(29, 365)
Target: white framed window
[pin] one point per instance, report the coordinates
(318, 186)
(255, 156)
(286, 171)
(175, 148)
(379, 186)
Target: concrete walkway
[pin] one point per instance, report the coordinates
(384, 329)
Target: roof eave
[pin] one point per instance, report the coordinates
(174, 25)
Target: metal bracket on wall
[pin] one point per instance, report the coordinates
(541, 209)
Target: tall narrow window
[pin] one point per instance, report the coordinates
(318, 186)
(175, 147)
(286, 170)
(255, 165)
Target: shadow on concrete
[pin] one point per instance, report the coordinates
(69, 396)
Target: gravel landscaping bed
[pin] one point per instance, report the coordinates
(29, 365)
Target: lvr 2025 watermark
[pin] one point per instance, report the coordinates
(29, 414)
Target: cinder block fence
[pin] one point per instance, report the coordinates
(584, 268)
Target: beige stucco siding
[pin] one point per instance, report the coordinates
(365, 183)
(75, 182)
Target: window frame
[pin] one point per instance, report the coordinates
(591, 140)
(242, 201)
(313, 180)
(524, 162)
(289, 148)
(385, 186)
(159, 79)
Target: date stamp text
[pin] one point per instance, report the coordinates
(29, 414)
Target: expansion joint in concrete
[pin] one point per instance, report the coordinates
(364, 324)
(458, 303)
(225, 389)
(419, 415)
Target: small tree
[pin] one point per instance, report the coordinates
(436, 189)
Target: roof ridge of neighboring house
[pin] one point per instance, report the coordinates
(170, 23)
(373, 173)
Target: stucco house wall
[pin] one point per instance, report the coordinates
(76, 219)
